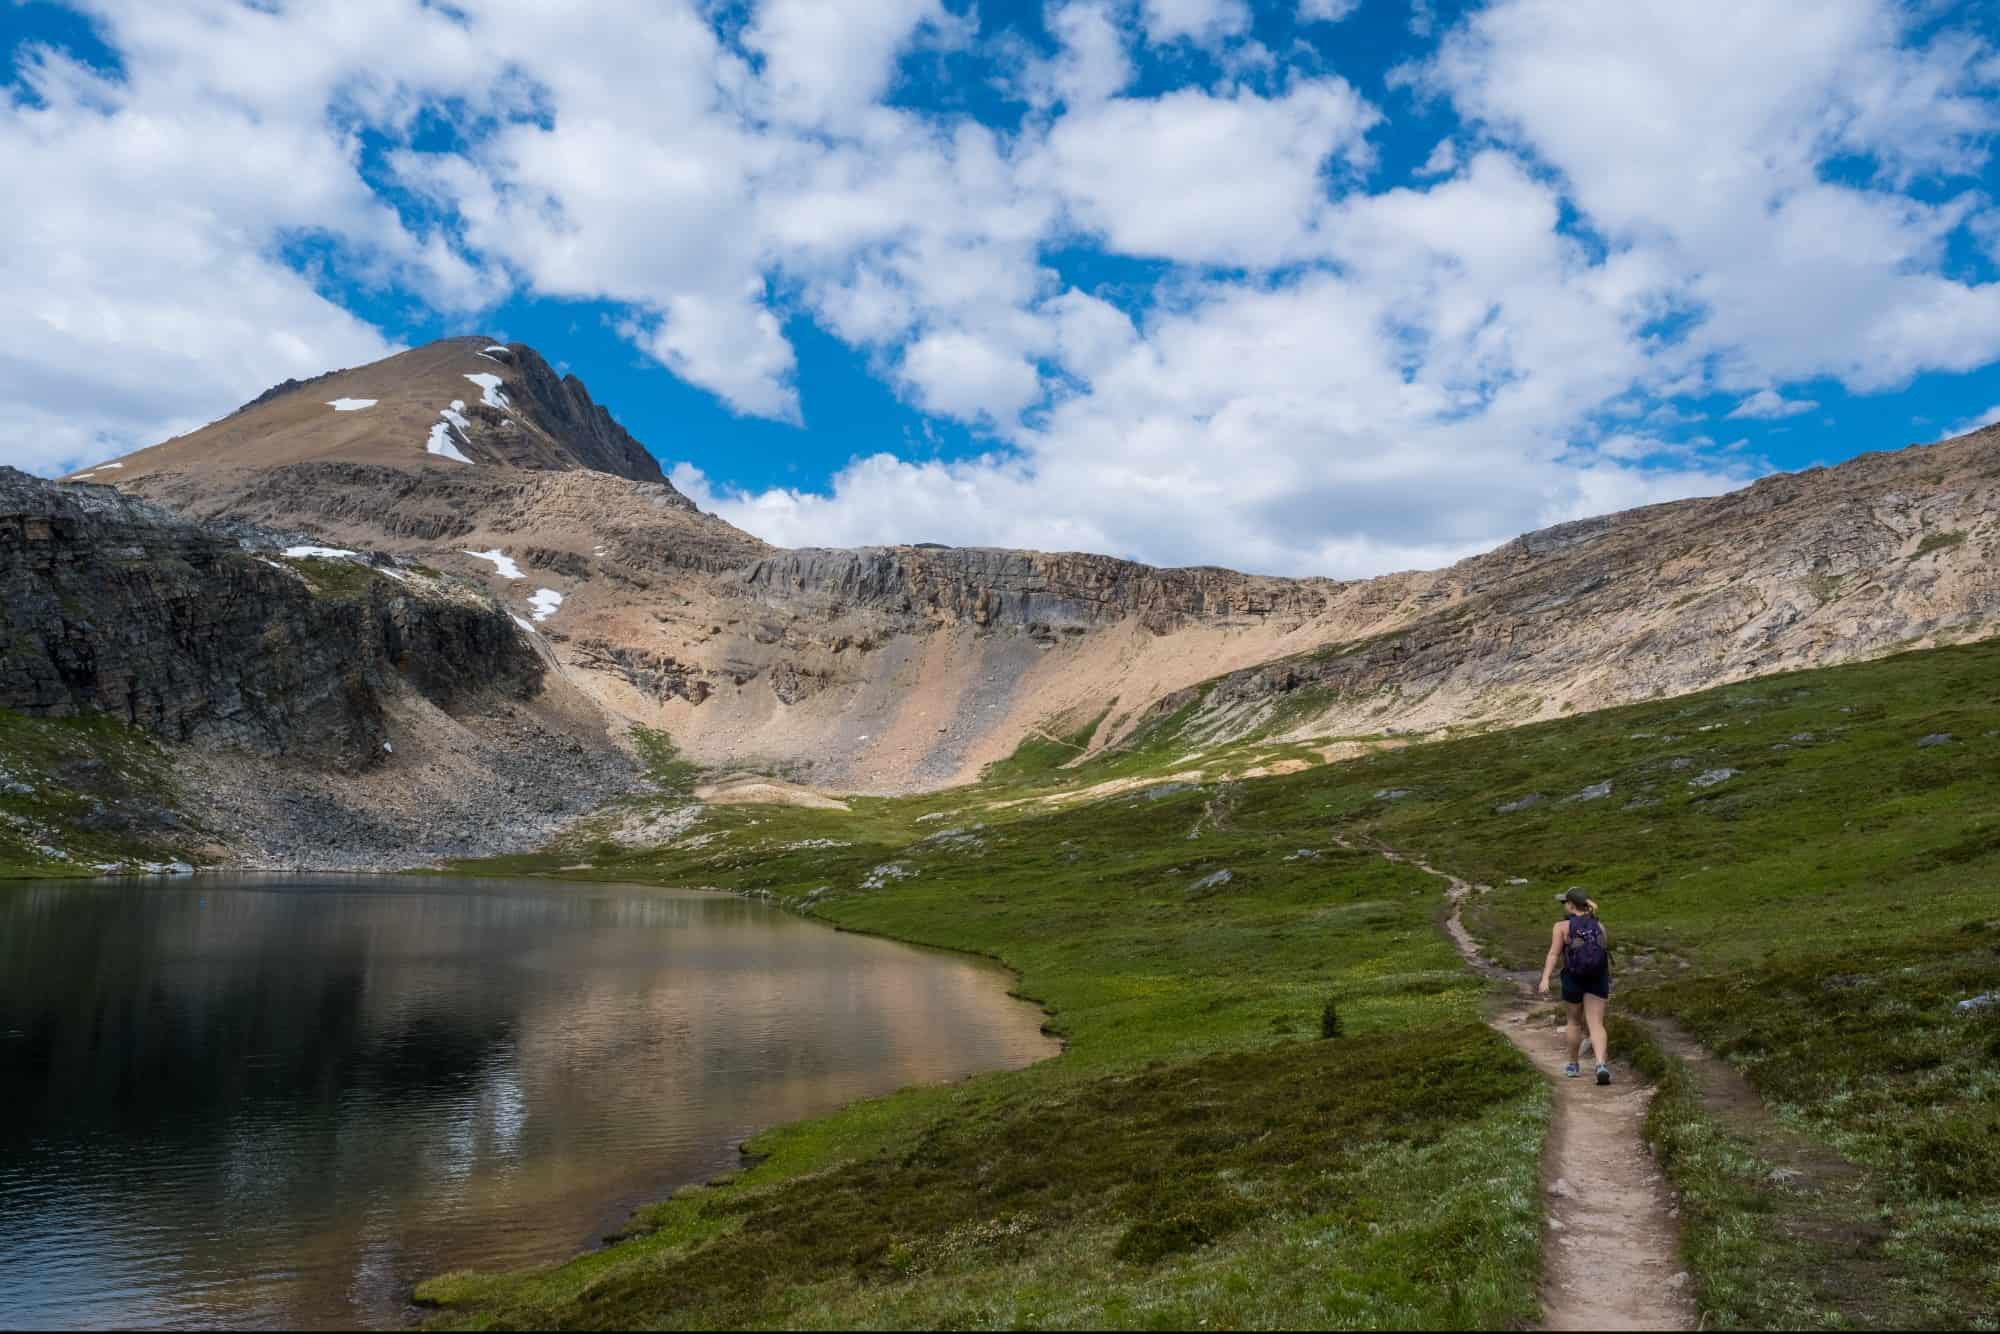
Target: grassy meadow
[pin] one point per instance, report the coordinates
(1199, 1153)
(1801, 871)
(77, 794)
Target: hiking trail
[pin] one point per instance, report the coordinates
(1611, 1252)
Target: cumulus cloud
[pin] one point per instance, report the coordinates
(1203, 22)
(1200, 178)
(1325, 372)
(1327, 11)
(141, 285)
(822, 60)
(1770, 405)
(1977, 423)
(1677, 133)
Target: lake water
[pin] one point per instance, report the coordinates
(283, 1101)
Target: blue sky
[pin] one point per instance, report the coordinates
(1305, 287)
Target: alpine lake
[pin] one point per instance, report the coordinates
(283, 1101)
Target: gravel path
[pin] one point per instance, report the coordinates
(1611, 1253)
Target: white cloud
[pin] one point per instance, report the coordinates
(1971, 424)
(1770, 405)
(1250, 425)
(1680, 132)
(142, 291)
(734, 347)
(1203, 22)
(1391, 373)
(824, 60)
(1442, 161)
(1091, 63)
(1201, 178)
(962, 375)
(1326, 11)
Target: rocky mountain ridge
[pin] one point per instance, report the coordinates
(120, 606)
(1888, 551)
(890, 668)
(309, 687)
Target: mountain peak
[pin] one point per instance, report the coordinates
(461, 402)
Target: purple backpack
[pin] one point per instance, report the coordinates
(1585, 955)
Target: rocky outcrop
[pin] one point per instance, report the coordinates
(656, 675)
(1797, 570)
(648, 527)
(563, 407)
(112, 604)
(989, 586)
(284, 387)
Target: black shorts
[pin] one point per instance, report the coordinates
(1576, 988)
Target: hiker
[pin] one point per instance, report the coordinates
(1578, 941)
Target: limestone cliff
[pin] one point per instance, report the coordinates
(112, 604)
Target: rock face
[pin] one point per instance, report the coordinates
(1888, 551)
(892, 668)
(584, 430)
(988, 586)
(417, 510)
(113, 604)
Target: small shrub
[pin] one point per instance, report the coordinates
(1329, 1021)
(1939, 541)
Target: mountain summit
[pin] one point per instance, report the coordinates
(456, 403)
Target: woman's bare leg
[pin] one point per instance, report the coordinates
(1593, 1010)
(1575, 1033)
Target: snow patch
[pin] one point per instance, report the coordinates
(102, 466)
(498, 347)
(79, 476)
(489, 390)
(441, 445)
(330, 553)
(522, 623)
(351, 404)
(455, 414)
(546, 602)
(502, 562)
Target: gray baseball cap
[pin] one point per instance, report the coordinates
(1575, 894)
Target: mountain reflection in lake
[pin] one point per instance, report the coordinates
(282, 1101)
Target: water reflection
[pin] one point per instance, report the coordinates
(282, 1101)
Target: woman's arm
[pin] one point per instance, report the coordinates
(1555, 953)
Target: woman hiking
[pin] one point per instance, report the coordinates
(1578, 941)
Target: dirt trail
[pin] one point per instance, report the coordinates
(1612, 1243)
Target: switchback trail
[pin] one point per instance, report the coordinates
(1612, 1243)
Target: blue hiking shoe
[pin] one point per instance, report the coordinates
(1572, 1070)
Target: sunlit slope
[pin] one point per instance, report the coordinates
(1804, 870)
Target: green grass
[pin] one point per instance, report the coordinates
(1040, 757)
(1814, 917)
(337, 577)
(1939, 541)
(1197, 1153)
(661, 761)
(77, 794)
